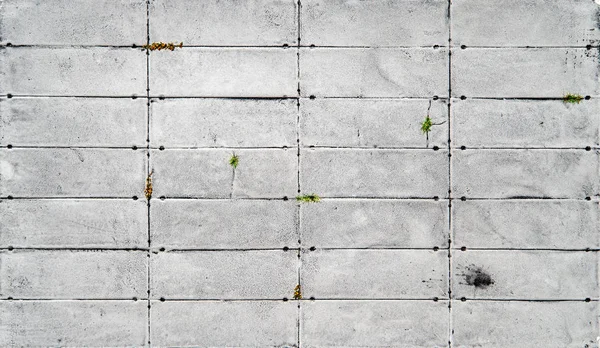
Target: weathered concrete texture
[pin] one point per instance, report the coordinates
(517, 173)
(223, 224)
(73, 71)
(374, 23)
(72, 122)
(525, 23)
(519, 324)
(69, 172)
(72, 274)
(73, 323)
(525, 123)
(341, 223)
(73, 223)
(223, 122)
(570, 224)
(372, 123)
(214, 22)
(374, 173)
(496, 274)
(521, 73)
(374, 323)
(365, 274)
(254, 274)
(224, 324)
(73, 22)
(224, 72)
(375, 72)
(268, 173)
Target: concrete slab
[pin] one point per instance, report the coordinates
(64, 274)
(93, 71)
(374, 274)
(522, 173)
(205, 23)
(68, 22)
(510, 324)
(90, 223)
(525, 23)
(525, 73)
(67, 172)
(221, 324)
(373, 223)
(374, 323)
(224, 72)
(375, 23)
(224, 274)
(530, 275)
(73, 323)
(374, 173)
(525, 123)
(375, 72)
(223, 122)
(73, 122)
(570, 224)
(372, 122)
(268, 173)
(223, 224)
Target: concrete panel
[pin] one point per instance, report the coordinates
(374, 23)
(72, 172)
(564, 224)
(531, 275)
(73, 274)
(223, 224)
(516, 173)
(73, 223)
(224, 324)
(374, 173)
(256, 274)
(224, 122)
(372, 123)
(383, 72)
(525, 23)
(374, 323)
(73, 122)
(519, 324)
(73, 323)
(207, 173)
(374, 274)
(525, 123)
(73, 22)
(525, 73)
(214, 22)
(224, 72)
(93, 71)
(375, 223)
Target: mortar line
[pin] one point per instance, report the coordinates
(298, 208)
(394, 299)
(311, 46)
(148, 171)
(199, 198)
(449, 149)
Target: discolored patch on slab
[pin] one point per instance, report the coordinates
(477, 277)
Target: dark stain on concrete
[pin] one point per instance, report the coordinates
(477, 277)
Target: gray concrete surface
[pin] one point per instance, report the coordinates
(123, 223)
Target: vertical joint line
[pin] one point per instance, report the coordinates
(148, 165)
(450, 227)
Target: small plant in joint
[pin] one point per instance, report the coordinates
(297, 293)
(426, 125)
(148, 188)
(572, 98)
(159, 46)
(313, 198)
(234, 160)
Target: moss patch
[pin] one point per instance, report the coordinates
(308, 198)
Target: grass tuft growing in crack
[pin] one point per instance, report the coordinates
(297, 293)
(308, 198)
(148, 188)
(159, 46)
(572, 98)
(234, 160)
(426, 125)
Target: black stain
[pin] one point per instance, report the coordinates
(476, 277)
